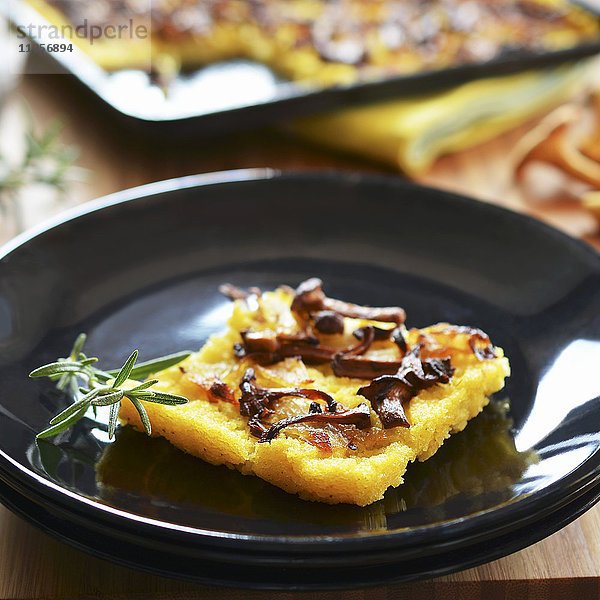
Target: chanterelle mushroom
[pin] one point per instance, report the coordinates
(591, 146)
(310, 298)
(549, 143)
(389, 393)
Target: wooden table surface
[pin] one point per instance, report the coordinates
(32, 565)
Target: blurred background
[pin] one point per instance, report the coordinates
(495, 100)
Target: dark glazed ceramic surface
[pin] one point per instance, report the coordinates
(142, 271)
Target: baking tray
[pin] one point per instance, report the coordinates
(241, 94)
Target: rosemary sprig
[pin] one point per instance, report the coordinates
(46, 161)
(143, 369)
(105, 388)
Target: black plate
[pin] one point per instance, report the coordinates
(141, 268)
(161, 561)
(203, 100)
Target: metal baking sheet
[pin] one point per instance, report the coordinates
(239, 94)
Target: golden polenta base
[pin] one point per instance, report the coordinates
(215, 431)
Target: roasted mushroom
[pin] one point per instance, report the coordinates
(389, 393)
(256, 402)
(360, 417)
(310, 298)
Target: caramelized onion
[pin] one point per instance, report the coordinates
(215, 388)
(458, 338)
(321, 440)
(256, 402)
(359, 417)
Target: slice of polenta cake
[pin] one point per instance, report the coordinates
(322, 398)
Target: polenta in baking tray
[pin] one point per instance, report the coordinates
(323, 398)
(323, 42)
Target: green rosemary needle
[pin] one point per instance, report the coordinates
(92, 387)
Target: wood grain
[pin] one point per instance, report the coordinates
(32, 565)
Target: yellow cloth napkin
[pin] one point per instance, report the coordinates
(411, 133)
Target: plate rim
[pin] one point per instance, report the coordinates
(567, 514)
